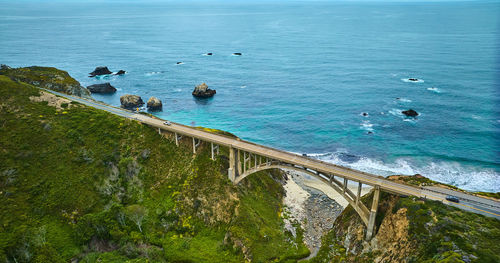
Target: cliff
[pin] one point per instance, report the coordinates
(82, 185)
(48, 78)
(413, 230)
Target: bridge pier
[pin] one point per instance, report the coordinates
(231, 171)
(358, 196)
(373, 213)
(214, 148)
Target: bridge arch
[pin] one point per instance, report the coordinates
(366, 215)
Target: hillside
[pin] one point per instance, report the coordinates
(413, 230)
(80, 184)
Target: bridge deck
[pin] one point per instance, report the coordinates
(316, 165)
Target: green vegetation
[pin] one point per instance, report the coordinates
(435, 233)
(80, 183)
(46, 77)
(487, 194)
(421, 181)
(216, 131)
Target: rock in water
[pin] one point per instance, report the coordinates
(237, 54)
(154, 104)
(413, 79)
(202, 91)
(120, 72)
(102, 88)
(410, 113)
(131, 101)
(100, 71)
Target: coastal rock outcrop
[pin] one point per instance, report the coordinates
(47, 78)
(154, 104)
(202, 91)
(105, 88)
(410, 113)
(131, 101)
(100, 71)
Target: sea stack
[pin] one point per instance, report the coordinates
(100, 71)
(105, 88)
(154, 104)
(410, 113)
(131, 101)
(202, 91)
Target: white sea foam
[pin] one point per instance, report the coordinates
(153, 73)
(243, 87)
(434, 90)
(413, 81)
(403, 100)
(366, 125)
(465, 177)
(396, 112)
(177, 90)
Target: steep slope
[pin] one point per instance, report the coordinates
(79, 184)
(412, 230)
(46, 77)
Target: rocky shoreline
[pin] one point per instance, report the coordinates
(313, 209)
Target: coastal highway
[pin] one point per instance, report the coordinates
(468, 202)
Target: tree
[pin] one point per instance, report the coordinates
(137, 213)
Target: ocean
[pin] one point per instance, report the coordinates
(307, 72)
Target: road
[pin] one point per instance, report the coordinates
(468, 202)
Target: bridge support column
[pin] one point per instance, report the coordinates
(194, 146)
(358, 196)
(233, 170)
(215, 150)
(373, 213)
(238, 162)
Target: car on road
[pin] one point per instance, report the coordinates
(167, 123)
(452, 198)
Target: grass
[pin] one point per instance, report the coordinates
(436, 233)
(80, 183)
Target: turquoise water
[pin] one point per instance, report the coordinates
(308, 71)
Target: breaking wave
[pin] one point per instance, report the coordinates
(449, 172)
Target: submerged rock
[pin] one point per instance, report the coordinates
(410, 113)
(202, 91)
(131, 101)
(102, 88)
(100, 71)
(154, 104)
(120, 72)
(209, 54)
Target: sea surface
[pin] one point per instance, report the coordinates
(307, 72)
